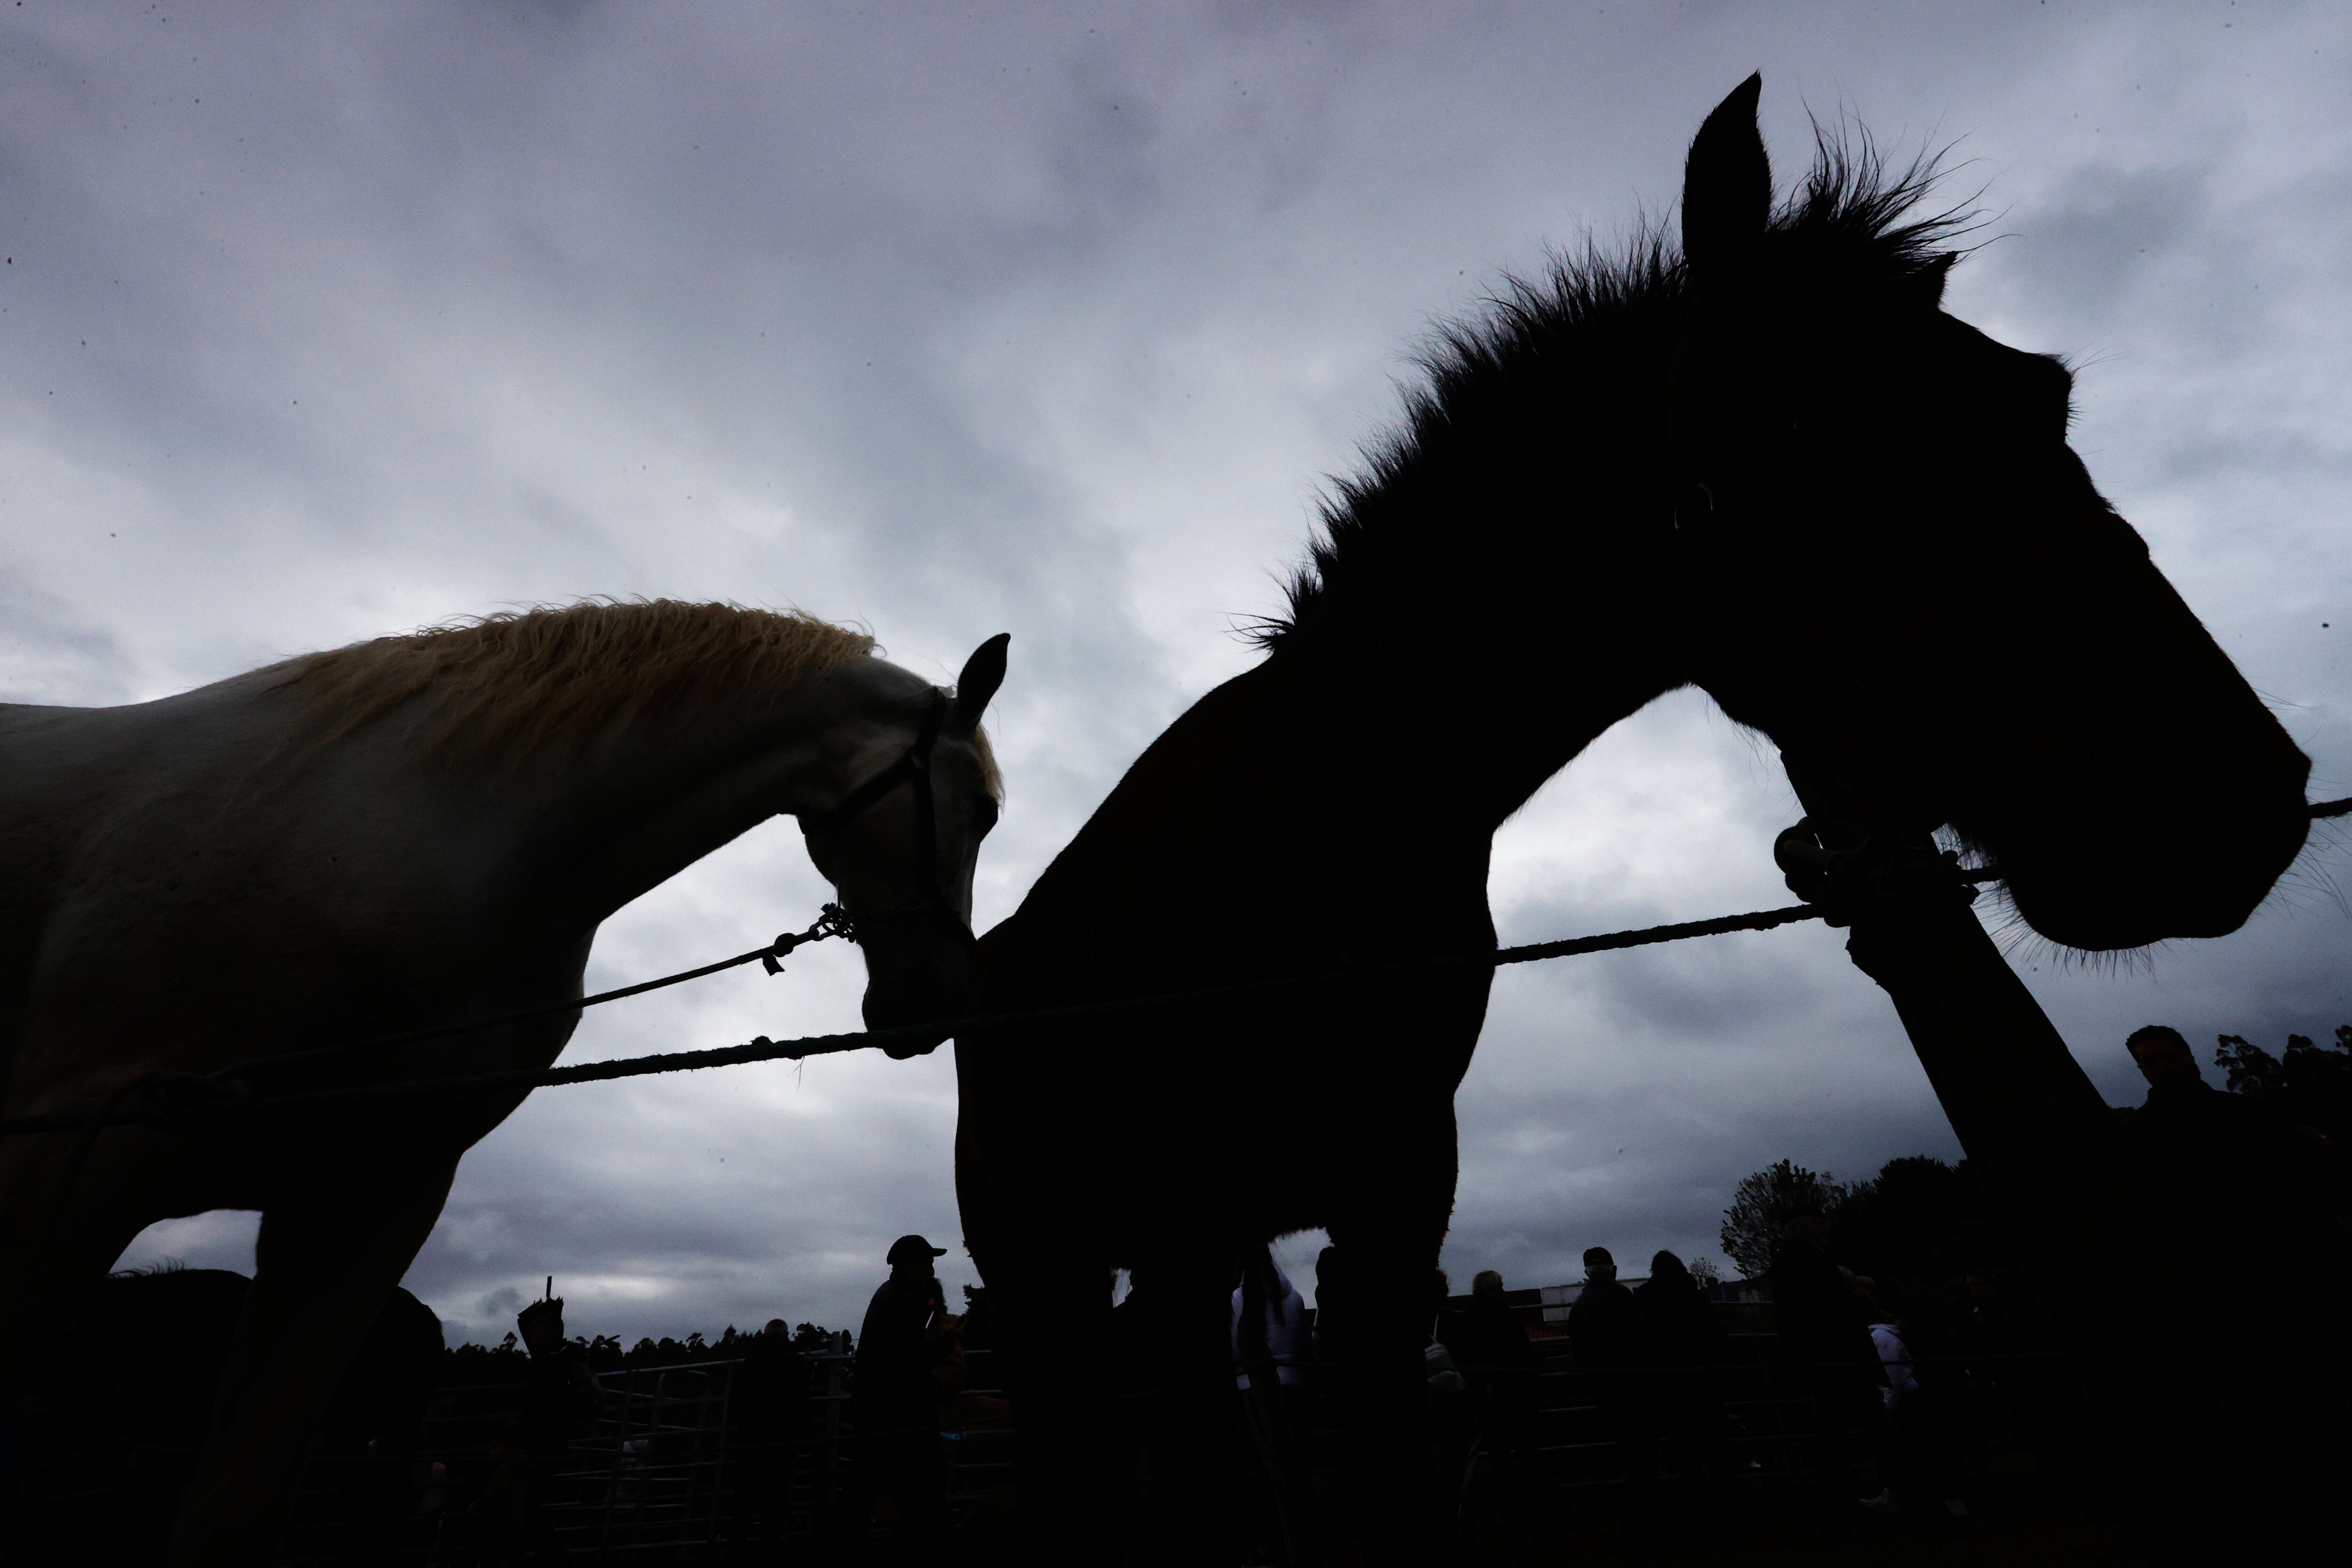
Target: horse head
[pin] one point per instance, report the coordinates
(1895, 566)
(902, 846)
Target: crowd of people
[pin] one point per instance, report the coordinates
(1887, 1340)
(1894, 1314)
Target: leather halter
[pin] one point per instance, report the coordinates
(914, 764)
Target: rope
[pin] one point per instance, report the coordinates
(763, 1049)
(832, 922)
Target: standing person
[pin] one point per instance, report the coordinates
(1692, 1351)
(894, 1410)
(2239, 1179)
(1612, 1348)
(771, 1405)
(558, 1406)
(1453, 1425)
(1501, 1364)
(1922, 1402)
(2230, 1168)
(1271, 1352)
(1825, 1345)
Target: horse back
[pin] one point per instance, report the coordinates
(164, 841)
(1213, 862)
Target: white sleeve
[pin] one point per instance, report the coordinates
(1896, 1357)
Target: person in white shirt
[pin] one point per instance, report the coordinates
(1896, 1357)
(1284, 1314)
(1271, 1353)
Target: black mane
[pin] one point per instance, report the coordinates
(1848, 218)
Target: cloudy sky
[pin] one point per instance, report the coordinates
(323, 322)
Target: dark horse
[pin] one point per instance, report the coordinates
(1770, 466)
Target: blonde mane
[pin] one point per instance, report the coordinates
(507, 685)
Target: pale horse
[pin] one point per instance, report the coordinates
(409, 833)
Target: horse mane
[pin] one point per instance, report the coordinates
(514, 683)
(1850, 222)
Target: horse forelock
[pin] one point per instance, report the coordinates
(507, 685)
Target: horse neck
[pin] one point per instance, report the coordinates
(654, 795)
(1560, 627)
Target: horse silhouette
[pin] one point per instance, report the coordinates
(228, 890)
(1768, 464)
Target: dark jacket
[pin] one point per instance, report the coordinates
(2224, 1167)
(1824, 1326)
(1683, 1328)
(560, 1394)
(1605, 1328)
(1495, 1353)
(774, 1398)
(895, 1358)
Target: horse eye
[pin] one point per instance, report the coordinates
(986, 813)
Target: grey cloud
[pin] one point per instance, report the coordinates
(898, 317)
(2094, 238)
(49, 653)
(499, 1305)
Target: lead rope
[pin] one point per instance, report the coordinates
(831, 921)
(1797, 851)
(173, 1091)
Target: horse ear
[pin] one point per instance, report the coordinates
(1932, 279)
(984, 672)
(1726, 188)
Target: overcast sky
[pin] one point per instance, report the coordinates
(322, 322)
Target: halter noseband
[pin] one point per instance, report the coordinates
(915, 764)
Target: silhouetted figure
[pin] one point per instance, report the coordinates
(498, 1518)
(373, 1425)
(558, 1406)
(1271, 1352)
(1134, 1383)
(770, 1404)
(2239, 1179)
(1923, 1399)
(1687, 1343)
(894, 1406)
(1453, 1416)
(1826, 1349)
(1502, 1367)
(2224, 1163)
(1613, 1349)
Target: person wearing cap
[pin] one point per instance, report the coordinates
(559, 1404)
(894, 1408)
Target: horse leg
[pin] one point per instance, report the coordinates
(1197, 1436)
(324, 1268)
(1376, 1305)
(1050, 1309)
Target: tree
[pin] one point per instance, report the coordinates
(1762, 1201)
(2311, 1084)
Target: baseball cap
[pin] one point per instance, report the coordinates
(912, 1250)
